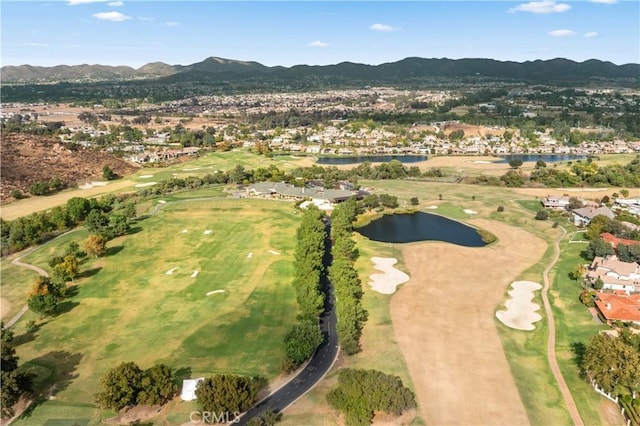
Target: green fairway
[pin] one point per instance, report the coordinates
(132, 309)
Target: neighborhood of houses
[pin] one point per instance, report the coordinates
(618, 299)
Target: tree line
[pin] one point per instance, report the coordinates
(305, 335)
(346, 281)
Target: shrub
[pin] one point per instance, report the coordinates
(542, 215)
(500, 209)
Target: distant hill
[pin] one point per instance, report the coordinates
(214, 68)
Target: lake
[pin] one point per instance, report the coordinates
(408, 228)
(547, 158)
(355, 159)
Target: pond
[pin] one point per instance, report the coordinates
(355, 159)
(407, 228)
(547, 158)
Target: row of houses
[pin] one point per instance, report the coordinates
(582, 216)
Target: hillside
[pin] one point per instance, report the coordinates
(407, 69)
(27, 159)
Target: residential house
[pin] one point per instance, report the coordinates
(614, 241)
(582, 216)
(615, 274)
(556, 203)
(619, 307)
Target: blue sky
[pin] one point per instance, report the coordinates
(133, 33)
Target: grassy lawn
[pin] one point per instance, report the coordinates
(574, 326)
(130, 309)
(205, 164)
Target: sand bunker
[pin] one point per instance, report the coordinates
(184, 231)
(207, 232)
(249, 255)
(274, 252)
(90, 185)
(521, 311)
(195, 274)
(481, 162)
(214, 292)
(171, 271)
(391, 277)
(145, 176)
(142, 185)
(467, 211)
(192, 169)
(432, 207)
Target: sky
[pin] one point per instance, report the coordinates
(133, 33)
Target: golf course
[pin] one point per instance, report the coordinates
(204, 285)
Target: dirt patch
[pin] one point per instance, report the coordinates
(445, 325)
(27, 159)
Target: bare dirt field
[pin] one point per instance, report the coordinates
(472, 130)
(445, 326)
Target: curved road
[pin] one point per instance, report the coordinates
(551, 341)
(305, 380)
(317, 367)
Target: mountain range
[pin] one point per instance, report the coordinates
(408, 69)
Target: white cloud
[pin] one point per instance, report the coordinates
(383, 27)
(115, 3)
(591, 34)
(562, 33)
(146, 18)
(77, 2)
(318, 43)
(605, 1)
(541, 7)
(172, 24)
(111, 16)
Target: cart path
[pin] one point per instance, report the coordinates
(551, 341)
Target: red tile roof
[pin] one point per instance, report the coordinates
(614, 241)
(616, 307)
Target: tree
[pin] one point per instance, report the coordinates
(120, 386)
(578, 272)
(95, 245)
(540, 164)
(598, 248)
(43, 304)
(613, 363)
(108, 174)
(78, 208)
(15, 383)
(227, 393)
(302, 341)
(390, 201)
(414, 201)
(542, 215)
(598, 284)
(360, 393)
(97, 222)
(68, 269)
(157, 385)
(515, 163)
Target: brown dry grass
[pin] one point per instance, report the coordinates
(444, 323)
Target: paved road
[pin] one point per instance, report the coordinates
(306, 379)
(315, 370)
(551, 342)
